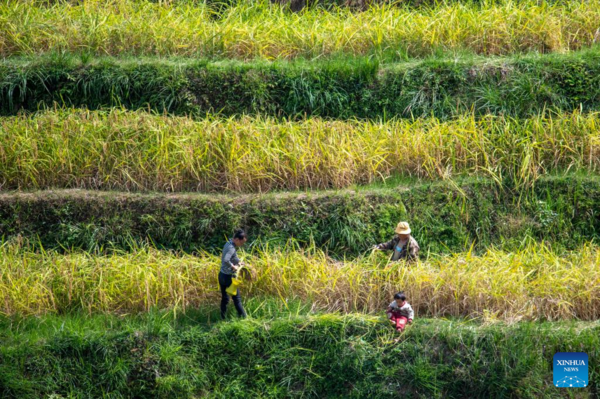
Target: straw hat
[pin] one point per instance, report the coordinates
(403, 228)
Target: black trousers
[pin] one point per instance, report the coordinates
(224, 282)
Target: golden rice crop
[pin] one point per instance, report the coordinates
(534, 283)
(140, 151)
(264, 30)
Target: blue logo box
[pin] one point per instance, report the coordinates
(571, 370)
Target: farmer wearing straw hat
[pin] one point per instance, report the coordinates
(230, 263)
(403, 244)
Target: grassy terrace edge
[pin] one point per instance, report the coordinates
(342, 88)
(160, 355)
(446, 216)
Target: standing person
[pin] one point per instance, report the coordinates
(230, 263)
(400, 312)
(403, 244)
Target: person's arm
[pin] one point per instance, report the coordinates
(386, 245)
(234, 259)
(389, 310)
(231, 258)
(411, 313)
(412, 250)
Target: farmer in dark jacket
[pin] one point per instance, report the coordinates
(229, 265)
(403, 244)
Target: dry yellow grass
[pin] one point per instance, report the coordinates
(140, 151)
(534, 283)
(263, 30)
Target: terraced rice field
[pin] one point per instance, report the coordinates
(137, 135)
(147, 152)
(260, 30)
(533, 284)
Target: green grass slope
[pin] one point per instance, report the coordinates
(342, 88)
(445, 216)
(327, 355)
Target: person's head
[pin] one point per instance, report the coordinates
(400, 298)
(403, 230)
(239, 238)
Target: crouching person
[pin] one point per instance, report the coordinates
(400, 312)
